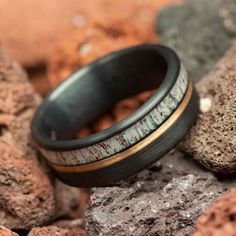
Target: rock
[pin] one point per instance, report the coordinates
(90, 43)
(65, 228)
(38, 78)
(165, 199)
(220, 218)
(200, 31)
(42, 24)
(6, 232)
(120, 110)
(69, 224)
(30, 35)
(47, 231)
(84, 199)
(212, 141)
(67, 200)
(26, 193)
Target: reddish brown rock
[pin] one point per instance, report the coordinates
(92, 42)
(6, 232)
(63, 228)
(127, 106)
(84, 199)
(220, 218)
(38, 78)
(212, 141)
(120, 111)
(30, 34)
(26, 193)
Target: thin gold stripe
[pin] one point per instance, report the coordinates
(137, 147)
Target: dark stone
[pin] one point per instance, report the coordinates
(165, 199)
(200, 32)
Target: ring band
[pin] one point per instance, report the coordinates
(133, 143)
(134, 149)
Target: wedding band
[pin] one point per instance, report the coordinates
(130, 145)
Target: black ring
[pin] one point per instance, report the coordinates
(90, 91)
(109, 175)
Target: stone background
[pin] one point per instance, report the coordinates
(50, 39)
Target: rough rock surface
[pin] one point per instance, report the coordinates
(200, 31)
(220, 219)
(6, 232)
(26, 193)
(30, 34)
(165, 199)
(212, 141)
(56, 231)
(62, 228)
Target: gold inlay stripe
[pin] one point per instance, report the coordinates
(134, 149)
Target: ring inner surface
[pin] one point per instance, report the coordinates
(97, 88)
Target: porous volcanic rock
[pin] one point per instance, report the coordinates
(212, 141)
(220, 218)
(56, 231)
(165, 199)
(6, 232)
(62, 228)
(26, 193)
(200, 31)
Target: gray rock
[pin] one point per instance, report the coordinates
(165, 199)
(200, 31)
(212, 141)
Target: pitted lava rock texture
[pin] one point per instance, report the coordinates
(56, 231)
(220, 219)
(6, 232)
(165, 199)
(212, 141)
(200, 32)
(26, 193)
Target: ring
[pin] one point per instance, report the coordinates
(131, 144)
